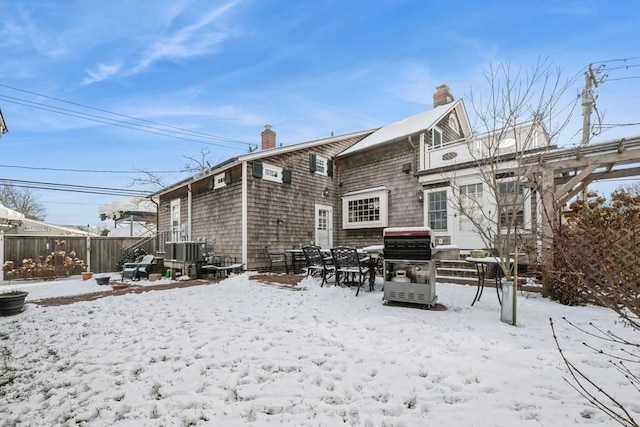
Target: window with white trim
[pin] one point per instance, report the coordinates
(511, 199)
(436, 138)
(365, 209)
(271, 173)
(471, 203)
(321, 165)
(219, 181)
(438, 210)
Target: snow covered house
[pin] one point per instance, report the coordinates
(412, 173)
(342, 190)
(380, 182)
(279, 197)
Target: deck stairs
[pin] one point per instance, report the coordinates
(456, 271)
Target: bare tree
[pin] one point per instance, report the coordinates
(622, 355)
(22, 200)
(192, 165)
(198, 164)
(517, 118)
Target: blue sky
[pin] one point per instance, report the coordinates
(224, 69)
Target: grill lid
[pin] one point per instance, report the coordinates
(406, 231)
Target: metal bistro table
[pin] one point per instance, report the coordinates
(482, 265)
(298, 261)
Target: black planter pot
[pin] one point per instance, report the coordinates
(103, 280)
(12, 303)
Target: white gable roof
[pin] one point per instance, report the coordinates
(405, 127)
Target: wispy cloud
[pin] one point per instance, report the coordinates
(27, 34)
(102, 72)
(193, 40)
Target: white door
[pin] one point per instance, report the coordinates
(176, 226)
(324, 226)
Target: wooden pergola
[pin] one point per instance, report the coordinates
(560, 175)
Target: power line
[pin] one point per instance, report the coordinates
(106, 120)
(176, 129)
(624, 78)
(623, 67)
(613, 125)
(617, 60)
(87, 170)
(73, 188)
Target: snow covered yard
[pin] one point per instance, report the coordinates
(240, 353)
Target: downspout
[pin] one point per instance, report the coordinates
(1, 254)
(157, 238)
(188, 212)
(244, 215)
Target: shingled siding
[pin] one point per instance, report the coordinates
(164, 207)
(282, 216)
(216, 215)
(382, 166)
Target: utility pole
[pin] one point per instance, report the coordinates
(587, 103)
(587, 107)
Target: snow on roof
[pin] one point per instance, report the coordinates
(127, 204)
(400, 129)
(10, 214)
(263, 154)
(133, 229)
(28, 224)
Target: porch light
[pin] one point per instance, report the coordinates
(420, 196)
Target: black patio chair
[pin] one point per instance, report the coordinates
(318, 263)
(277, 259)
(351, 268)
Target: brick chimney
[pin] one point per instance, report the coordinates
(268, 138)
(442, 96)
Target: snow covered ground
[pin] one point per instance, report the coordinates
(243, 353)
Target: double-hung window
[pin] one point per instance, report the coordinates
(511, 204)
(438, 210)
(320, 165)
(471, 206)
(365, 208)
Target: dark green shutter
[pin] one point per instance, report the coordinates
(286, 176)
(329, 167)
(312, 162)
(256, 170)
(227, 177)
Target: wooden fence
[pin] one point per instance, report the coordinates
(100, 254)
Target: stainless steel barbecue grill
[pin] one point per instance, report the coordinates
(409, 271)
